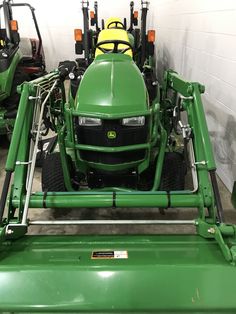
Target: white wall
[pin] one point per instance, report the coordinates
(197, 38)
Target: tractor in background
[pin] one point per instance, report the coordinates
(21, 59)
(140, 40)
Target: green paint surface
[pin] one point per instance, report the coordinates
(161, 273)
(112, 86)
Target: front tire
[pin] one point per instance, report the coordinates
(52, 174)
(173, 172)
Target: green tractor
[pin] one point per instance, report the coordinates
(118, 146)
(113, 134)
(21, 59)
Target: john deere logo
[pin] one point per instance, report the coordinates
(111, 134)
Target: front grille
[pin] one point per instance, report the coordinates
(125, 135)
(113, 158)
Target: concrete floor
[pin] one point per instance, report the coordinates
(101, 213)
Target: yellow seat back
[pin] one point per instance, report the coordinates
(113, 34)
(112, 19)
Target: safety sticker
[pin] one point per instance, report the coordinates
(44, 148)
(109, 254)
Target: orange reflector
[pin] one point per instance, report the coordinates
(151, 36)
(78, 34)
(13, 25)
(135, 14)
(92, 14)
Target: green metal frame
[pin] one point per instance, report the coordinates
(204, 263)
(201, 199)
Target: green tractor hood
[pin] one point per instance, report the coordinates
(100, 93)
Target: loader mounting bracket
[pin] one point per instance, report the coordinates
(223, 234)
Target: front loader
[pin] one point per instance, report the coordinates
(117, 147)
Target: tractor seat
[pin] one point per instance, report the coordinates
(113, 34)
(113, 22)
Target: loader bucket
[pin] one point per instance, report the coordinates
(80, 274)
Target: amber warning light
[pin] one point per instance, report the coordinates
(14, 25)
(151, 36)
(78, 34)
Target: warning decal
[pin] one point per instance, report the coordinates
(109, 254)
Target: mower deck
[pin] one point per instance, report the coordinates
(58, 273)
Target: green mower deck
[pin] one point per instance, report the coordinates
(169, 273)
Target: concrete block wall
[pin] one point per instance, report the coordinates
(197, 38)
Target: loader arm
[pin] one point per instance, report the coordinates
(112, 274)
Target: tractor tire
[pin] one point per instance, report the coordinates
(173, 172)
(52, 174)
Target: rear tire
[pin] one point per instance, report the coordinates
(173, 172)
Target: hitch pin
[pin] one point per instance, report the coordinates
(23, 162)
(203, 163)
(32, 97)
(185, 98)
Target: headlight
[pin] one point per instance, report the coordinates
(87, 121)
(134, 121)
